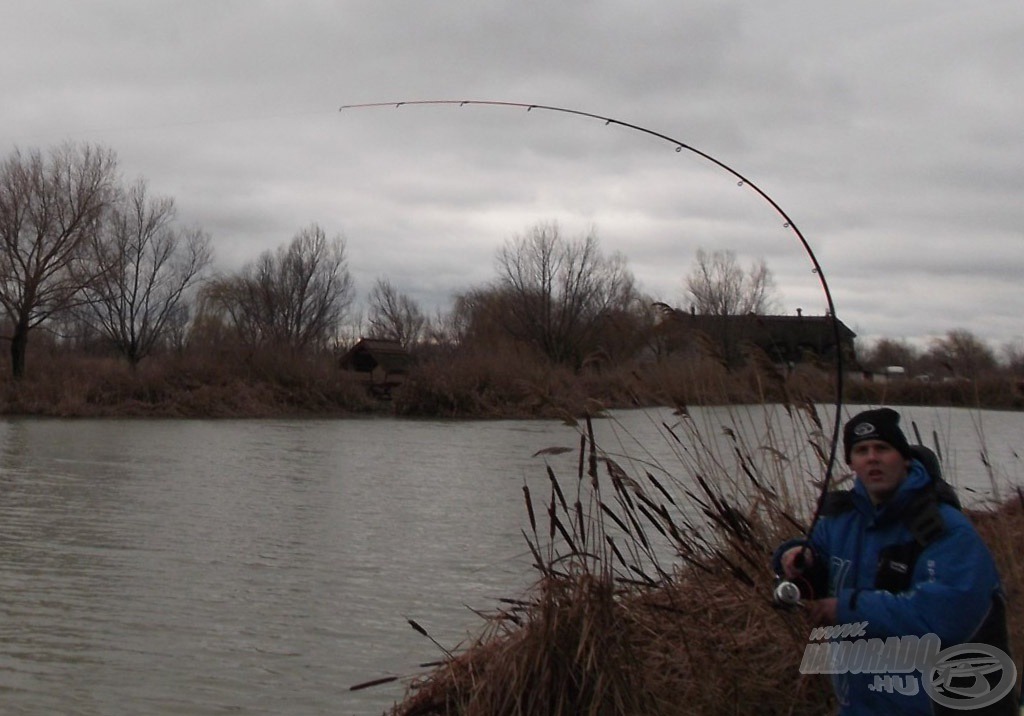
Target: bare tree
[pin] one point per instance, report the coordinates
(477, 316)
(890, 352)
(146, 267)
(726, 298)
(962, 353)
(49, 208)
(720, 287)
(395, 315)
(446, 328)
(1013, 355)
(556, 292)
(294, 297)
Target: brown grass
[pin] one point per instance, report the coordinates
(654, 593)
(194, 386)
(500, 380)
(994, 391)
(510, 381)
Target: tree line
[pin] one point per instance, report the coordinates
(101, 265)
(956, 355)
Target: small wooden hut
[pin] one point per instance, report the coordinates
(382, 363)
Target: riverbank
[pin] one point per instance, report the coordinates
(614, 626)
(707, 643)
(458, 385)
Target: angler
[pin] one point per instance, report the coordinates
(897, 553)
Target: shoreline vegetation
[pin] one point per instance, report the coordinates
(653, 586)
(470, 384)
(653, 594)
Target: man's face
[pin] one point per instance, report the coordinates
(880, 467)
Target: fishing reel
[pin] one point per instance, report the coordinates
(786, 593)
(790, 592)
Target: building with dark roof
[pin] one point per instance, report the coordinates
(383, 363)
(785, 339)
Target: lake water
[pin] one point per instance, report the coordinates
(265, 566)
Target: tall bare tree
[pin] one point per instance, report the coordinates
(477, 316)
(295, 297)
(891, 352)
(962, 353)
(1013, 356)
(719, 286)
(50, 207)
(146, 268)
(395, 315)
(556, 292)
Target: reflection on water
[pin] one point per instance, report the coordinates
(263, 567)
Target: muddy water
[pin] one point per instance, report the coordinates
(264, 567)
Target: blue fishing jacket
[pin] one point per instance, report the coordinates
(952, 587)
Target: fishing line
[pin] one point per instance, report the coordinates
(741, 181)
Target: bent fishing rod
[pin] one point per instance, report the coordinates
(742, 181)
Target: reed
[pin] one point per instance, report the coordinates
(653, 594)
(183, 386)
(505, 379)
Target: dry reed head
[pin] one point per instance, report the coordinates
(654, 594)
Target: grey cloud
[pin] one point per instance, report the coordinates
(889, 132)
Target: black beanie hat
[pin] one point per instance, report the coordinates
(881, 424)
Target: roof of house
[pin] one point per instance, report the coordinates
(369, 353)
(796, 325)
(785, 337)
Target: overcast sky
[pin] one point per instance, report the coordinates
(890, 132)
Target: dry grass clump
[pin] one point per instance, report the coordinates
(654, 590)
(489, 383)
(994, 391)
(705, 380)
(184, 386)
(578, 652)
(1002, 528)
(653, 598)
(512, 381)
